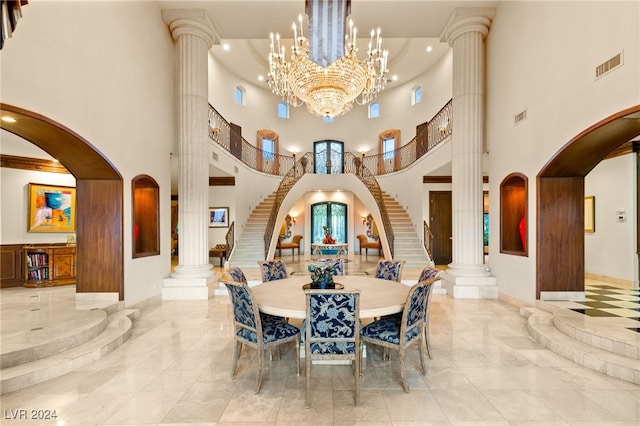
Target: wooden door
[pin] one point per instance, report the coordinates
(441, 223)
(64, 265)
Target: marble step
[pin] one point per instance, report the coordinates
(587, 347)
(117, 331)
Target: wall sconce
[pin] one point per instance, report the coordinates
(364, 220)
(293, 219)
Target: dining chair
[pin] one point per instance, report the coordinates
(428, 273)
(389, 269)
(392, 334)
(250, 330)
(272, 270)
(236, 275)
(332, 331)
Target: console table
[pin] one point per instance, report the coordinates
(341, 249)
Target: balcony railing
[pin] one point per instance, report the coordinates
(428, 135)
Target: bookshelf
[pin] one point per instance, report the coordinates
(47, 266)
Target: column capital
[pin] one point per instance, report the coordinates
(467, 19)
(190, 21)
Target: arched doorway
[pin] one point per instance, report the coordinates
(560, 201)
(99, 226)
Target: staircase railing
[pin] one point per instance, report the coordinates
(221, 132)
(428, 239)
(428, 135)
(229, 239)
(302, 166)
(353, 164)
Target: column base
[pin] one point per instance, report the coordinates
(461, 282)
(188, 285)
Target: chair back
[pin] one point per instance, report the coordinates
(296, 239)
(272, 270)
(236, 275)
(415, 311)
(362, 239)
(333, 322)
(428, 273)
(389, 270)
(246, 316)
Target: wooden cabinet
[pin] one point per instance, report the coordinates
(49, 265)
(11, 265)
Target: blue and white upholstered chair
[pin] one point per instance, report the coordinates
(272, 270)
(392, 334)
(389, 269)
(250, 330)
(236, 275)
(337, 263)
(332, 331)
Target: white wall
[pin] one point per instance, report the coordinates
(541, 57)
(610, 251)
(106, 71)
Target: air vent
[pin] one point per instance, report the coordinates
(519, 117)
(609, 65)
(215, 156)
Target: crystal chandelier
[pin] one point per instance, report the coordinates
(327, 91)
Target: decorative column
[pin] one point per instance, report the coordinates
(467, 276)
(193, 278)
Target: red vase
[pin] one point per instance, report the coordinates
(523, 232)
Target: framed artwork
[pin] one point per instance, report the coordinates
(218, 217)
(51, 208)
(590, 214)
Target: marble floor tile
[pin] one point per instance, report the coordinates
(176, 370)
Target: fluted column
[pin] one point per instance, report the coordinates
(194, 36)
(466, 32)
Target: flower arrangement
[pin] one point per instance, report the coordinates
(322, 274)
(328, 239)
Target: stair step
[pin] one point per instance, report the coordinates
(117, 331)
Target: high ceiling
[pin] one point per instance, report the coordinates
(408, 28)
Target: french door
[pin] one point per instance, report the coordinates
(329, 156)
(329, 217)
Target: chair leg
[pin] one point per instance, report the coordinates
(423, 346)
(260, 362)
(307, 372)
(236, 354)
(358, 371)
(298, 356)
(403, 373)
(426, 337)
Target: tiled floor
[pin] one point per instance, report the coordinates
(604, 300)
(175, 369)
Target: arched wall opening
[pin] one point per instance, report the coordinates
(560, 201)
(99, 205)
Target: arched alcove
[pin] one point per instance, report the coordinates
(98, 189)
(560, 200)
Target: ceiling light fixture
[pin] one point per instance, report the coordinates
(327, 91)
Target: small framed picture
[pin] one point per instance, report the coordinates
(590, 213)
(218, 217)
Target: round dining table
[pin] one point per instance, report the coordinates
(286, 298)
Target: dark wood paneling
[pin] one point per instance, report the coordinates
(33, 164)
(446, 179)
(582, 153)
(99, 236)
(222, 181)
(11, 265)
(560, 236)
(441, 224)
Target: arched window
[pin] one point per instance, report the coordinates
(241, 95)
(283, 110)
(374, 110)
(267, 158)
(388, 143)
(416, 95)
